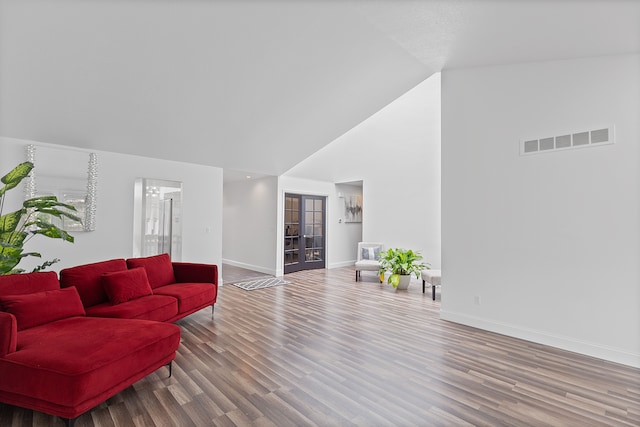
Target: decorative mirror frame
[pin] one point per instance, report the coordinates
(89, 220)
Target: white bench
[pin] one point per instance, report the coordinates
(434, 278)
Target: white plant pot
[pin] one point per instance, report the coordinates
(405, 279)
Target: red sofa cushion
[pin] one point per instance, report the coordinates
(15, 284)
(159, 269)
(42, 307)
(160, 308)
(69, 366)
(188, 272)
(190, 296)
(87, 279)
(8, 333)
(123, 286)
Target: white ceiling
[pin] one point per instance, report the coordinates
(259, 86)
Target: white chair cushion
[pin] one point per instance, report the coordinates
(432, 276)
(367, 265)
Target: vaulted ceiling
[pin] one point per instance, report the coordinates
(260, 85)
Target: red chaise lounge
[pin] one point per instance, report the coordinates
(56, 360)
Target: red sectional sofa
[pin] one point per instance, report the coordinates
(65, 349)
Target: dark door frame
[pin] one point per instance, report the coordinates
(304, 237)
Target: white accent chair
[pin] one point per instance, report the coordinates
(367, 259)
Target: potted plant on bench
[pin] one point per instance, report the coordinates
(401, 263)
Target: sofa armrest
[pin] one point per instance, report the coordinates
(8, 333)
(187, 272)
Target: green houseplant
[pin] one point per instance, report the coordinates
(17, 228)
(401, 263)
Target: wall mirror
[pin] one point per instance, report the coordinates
(157, 214)
(71, 176)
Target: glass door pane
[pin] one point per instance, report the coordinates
(291, 231)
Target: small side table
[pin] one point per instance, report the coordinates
(434, 278)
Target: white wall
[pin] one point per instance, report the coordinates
(249, 228)
(396, 153)
(549, 242)
(202, 207)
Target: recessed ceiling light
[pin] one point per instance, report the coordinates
(248, 176)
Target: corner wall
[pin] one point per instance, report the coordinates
(544, 247)
(113, 237)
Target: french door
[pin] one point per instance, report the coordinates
(304, 232)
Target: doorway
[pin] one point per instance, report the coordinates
(157, 225)
(304, 232)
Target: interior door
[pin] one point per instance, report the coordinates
(304, 235)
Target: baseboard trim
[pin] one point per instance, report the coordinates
(258, 268)
(599, 351)
(341, 264)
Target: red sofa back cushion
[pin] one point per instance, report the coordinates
(159, 269)
(123, 286)
(88, 279)
(15, 284)
(42, 307)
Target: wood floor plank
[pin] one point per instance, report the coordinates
(120, 415)
(324, 350)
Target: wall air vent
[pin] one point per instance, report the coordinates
(567, 141)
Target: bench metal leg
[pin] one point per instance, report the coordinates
(433, 290)
(170, 366)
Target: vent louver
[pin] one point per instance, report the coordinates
(581, 139)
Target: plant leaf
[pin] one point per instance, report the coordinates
(43, 202)
(59, 214)
(13, 178)
(12, 239)
(10, 252)
(9, 258)
(51, 231)
(394, 280)
(10, 221)
(50, 205)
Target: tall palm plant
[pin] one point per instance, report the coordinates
(17, 228)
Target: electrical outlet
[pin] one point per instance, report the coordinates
(476, 300)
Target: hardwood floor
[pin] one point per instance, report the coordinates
(327, 351)
(233, 274)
